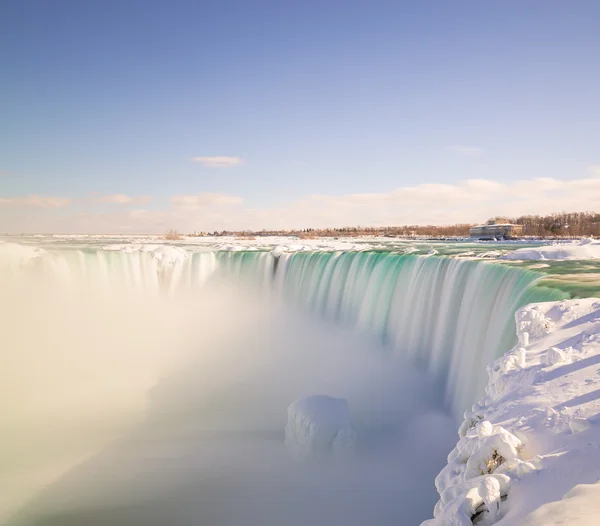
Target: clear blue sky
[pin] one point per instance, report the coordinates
(109, 97)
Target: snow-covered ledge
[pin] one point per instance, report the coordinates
(535, 437)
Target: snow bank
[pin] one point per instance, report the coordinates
(580, 507)
(536, 433)
(583, 249)
(319, 426)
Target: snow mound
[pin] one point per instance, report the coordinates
(580, 507)
(583, 249)
(319, 426)
(536, 433)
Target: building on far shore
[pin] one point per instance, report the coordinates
(496, 229)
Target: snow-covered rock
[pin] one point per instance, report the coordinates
(536, 433)
(318, 426)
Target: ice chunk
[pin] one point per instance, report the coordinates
(554, 356)
(319, 425)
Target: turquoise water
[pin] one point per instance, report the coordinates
(451, 316)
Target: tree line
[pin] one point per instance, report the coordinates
(565, 224)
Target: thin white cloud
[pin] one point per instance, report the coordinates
(470, 151)
(466, 201)
(593, 171)
(218, 161)
(121, 199)
(42, 201)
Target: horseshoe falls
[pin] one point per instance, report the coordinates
(450, 316)
(137, 375)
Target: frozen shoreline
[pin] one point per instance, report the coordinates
(535, 436)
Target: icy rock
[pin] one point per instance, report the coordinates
(486, 450)
(318, 426)
(489, 491)
(578, 425)
(454, 491)
(534, 323)
(554, 356)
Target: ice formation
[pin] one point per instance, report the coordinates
(535, 435)
(319, 426)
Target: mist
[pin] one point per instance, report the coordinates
(127, 407)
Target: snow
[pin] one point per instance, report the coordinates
(286, 249)
(233, 248)
(583, 249)
(318, 426)
(580, 506)
(535, 436)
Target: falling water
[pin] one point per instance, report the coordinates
(450, 316)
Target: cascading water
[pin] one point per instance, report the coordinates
(449, 315)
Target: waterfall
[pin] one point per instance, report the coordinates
(450, 316)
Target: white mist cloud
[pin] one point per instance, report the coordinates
(121, 199)
(466, 201)
(42, 201)
(593, 171)
(141, 382)
(218, 161)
